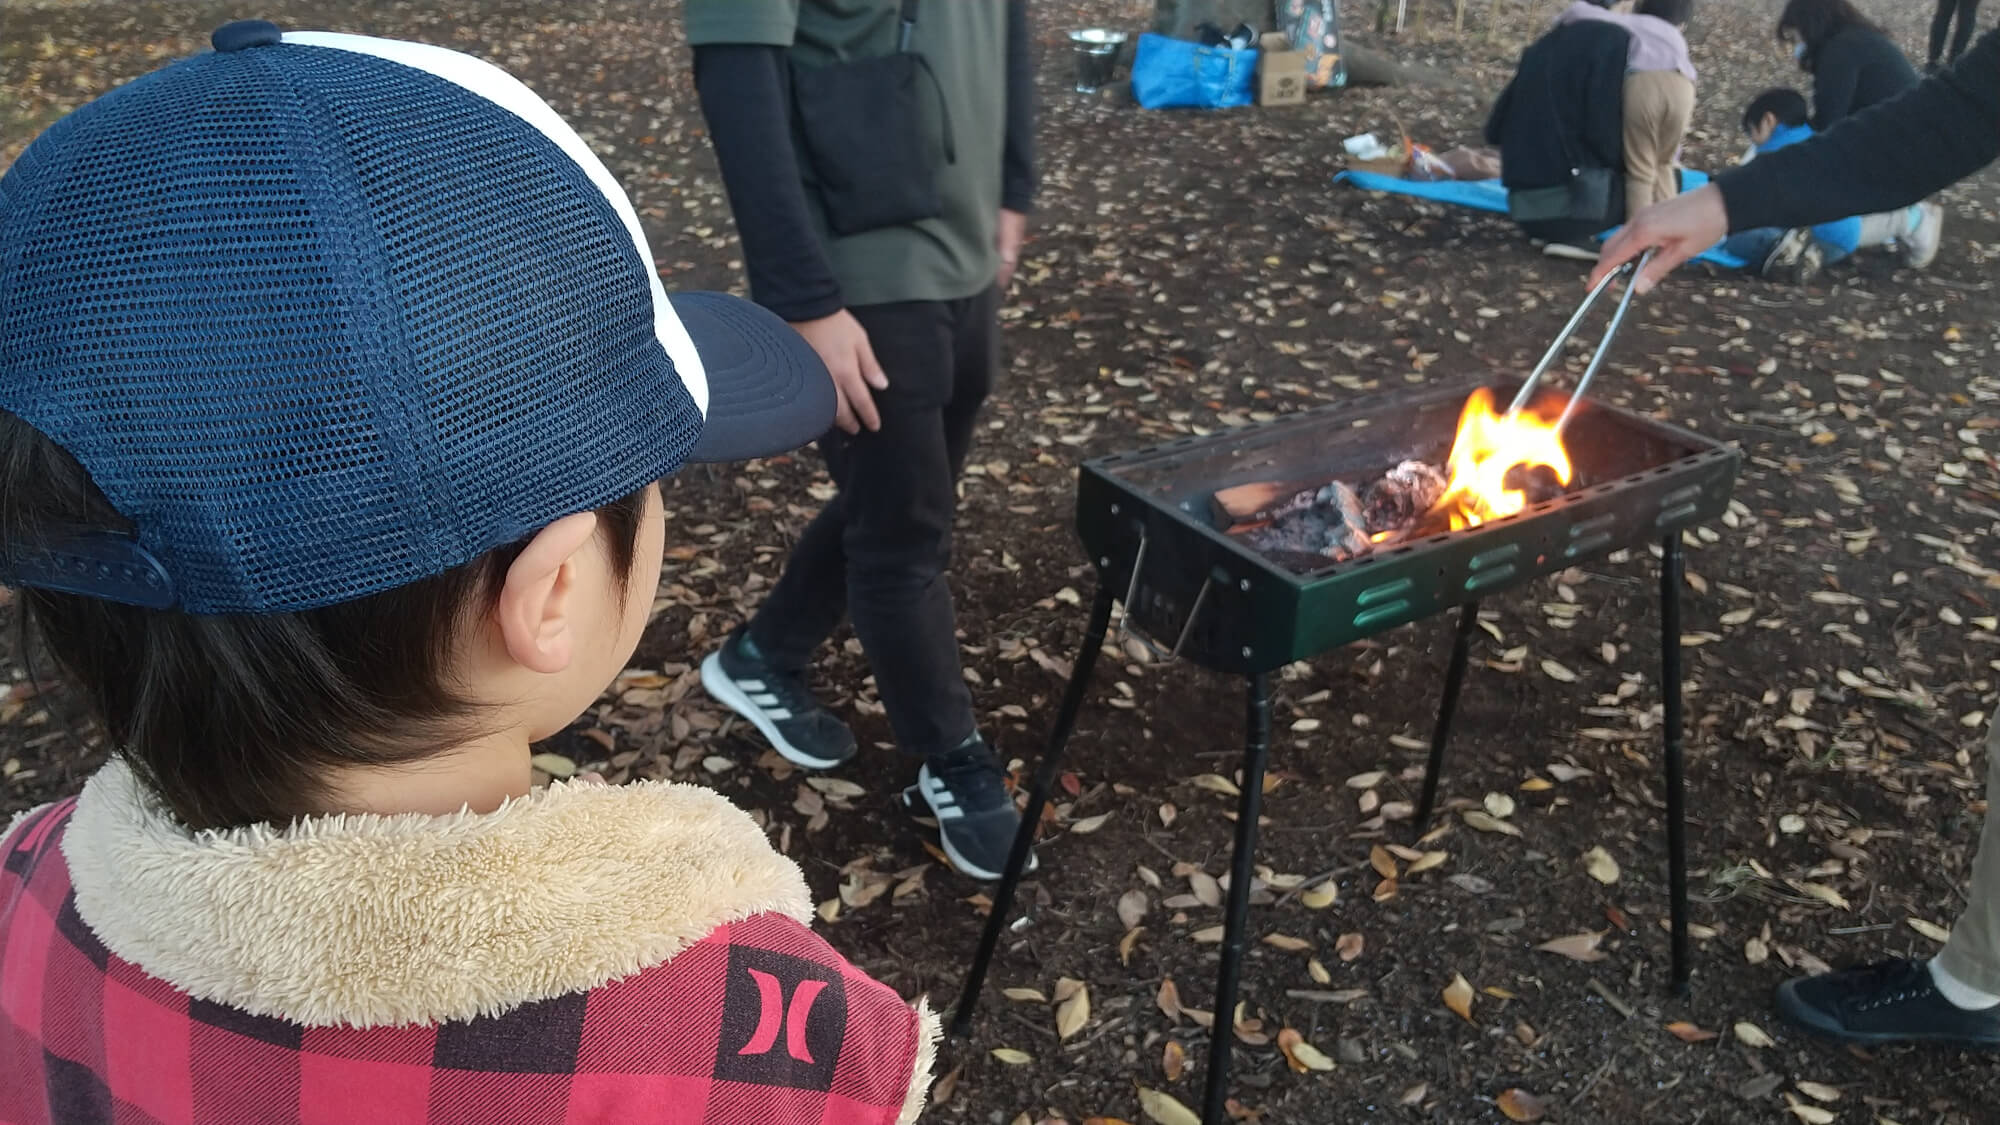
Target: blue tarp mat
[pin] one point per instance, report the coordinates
(1489, 195)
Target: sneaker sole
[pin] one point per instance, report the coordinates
(1800, 1015)
(724, 690)
(914, 798)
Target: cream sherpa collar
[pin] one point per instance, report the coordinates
(383, 920)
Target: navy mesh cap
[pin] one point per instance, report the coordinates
(323, 315)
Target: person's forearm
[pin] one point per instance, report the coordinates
(1888, 156)
(742, 90)
(1017, 168)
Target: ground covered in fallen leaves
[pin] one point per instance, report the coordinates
(1192, 272)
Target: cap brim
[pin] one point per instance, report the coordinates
(768, 392)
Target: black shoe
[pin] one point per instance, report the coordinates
(965, 790)
(777, 703)
(1887, 1002)
(1795, 259)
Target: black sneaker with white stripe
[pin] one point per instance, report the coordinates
(965, 790)
(777, 703)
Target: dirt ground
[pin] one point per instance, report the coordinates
(1190, 272)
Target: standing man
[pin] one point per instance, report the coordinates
(879, 159)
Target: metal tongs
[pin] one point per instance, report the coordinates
(1629, 270)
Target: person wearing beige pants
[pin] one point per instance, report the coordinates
(1658, 106)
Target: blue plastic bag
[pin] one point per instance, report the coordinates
(1172, 73)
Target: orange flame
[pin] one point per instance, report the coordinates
(1488, 445)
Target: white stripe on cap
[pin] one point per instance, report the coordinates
(482, 78)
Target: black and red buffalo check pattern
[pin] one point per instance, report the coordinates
(761, 1022)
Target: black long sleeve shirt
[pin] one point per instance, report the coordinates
(746, 96)
(1855, 68)
(1890, 155)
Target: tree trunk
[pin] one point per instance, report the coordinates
(1179, 18)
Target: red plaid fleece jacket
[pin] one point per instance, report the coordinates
(587, 954)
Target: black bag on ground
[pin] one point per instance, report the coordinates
(860, 127)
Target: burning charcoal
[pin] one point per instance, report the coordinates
(1349, 536)
(1261, 502)
(1537, 482)
(1402, 496)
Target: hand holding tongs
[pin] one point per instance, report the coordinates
(1629, 269)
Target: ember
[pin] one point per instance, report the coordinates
(1498, 465)
(1334, 522)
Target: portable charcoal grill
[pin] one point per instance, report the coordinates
(1146, 520)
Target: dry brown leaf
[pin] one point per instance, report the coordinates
(1320, 896)
(1537, 785)
(1210, 935)
(1287, 942)
(1165, 1109)
(1169, 1000)
(1302, 1056)
(1128, 943)
(1811, 1114)
(1132, 907)
(1205, 888)
(1458, 997)
(1072, 1014)
(1385, 890)
(1818, 1092)
(1499, 804)
(1367, 780)
(1557, 672)
(1577, 947)
(1173, 1060)
(1750, 1035)
(1823, 893)
(1930, 930)
(1485, 822)
(555, 765)
(1520, 1105)
(1350, 946)
(947, 1086)
(1415, 1095)
(1089, 824)
(1689, 1033)
(1012, 1057)
(1599, 865)
(1383, 863)
(1025, 995)
(1216, 783)
(1427, 861)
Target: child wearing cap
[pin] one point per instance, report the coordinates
(336, 384)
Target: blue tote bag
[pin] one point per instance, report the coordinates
(1173, 73)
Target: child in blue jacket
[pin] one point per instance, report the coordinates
(1778, 118)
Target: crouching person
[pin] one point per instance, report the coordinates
(1777, 119)
(336, 384)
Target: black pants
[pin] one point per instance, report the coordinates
(1968, 18)
(879, 550)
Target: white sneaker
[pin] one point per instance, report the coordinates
(1920, 246)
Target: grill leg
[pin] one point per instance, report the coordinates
(1256, 749)
(1454, 678)
(1670, 688)
(1038, 797)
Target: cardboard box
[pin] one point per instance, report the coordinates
(1281, 71)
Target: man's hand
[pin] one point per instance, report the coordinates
(1011, 231)
(1681, 227)
(842, 345)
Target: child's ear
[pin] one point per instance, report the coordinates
(534, 605)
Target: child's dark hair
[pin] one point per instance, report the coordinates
(1815, 21)
(236, 720)
(1676, 12)
(1786, 104)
